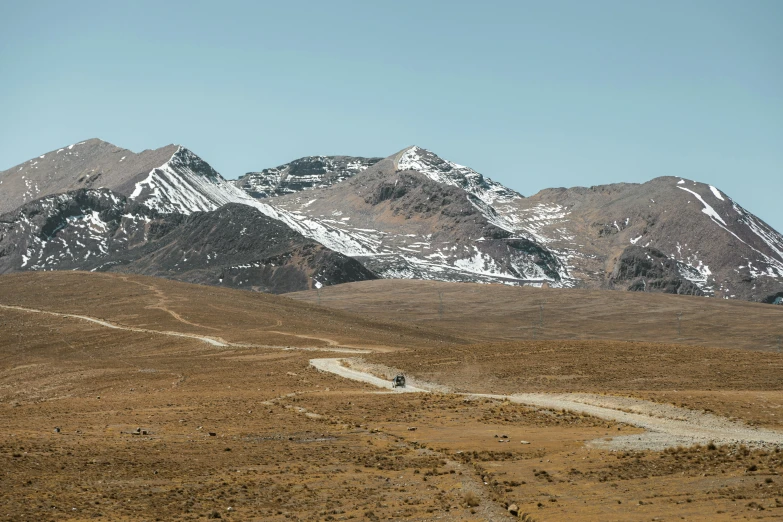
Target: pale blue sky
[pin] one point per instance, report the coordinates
(531, 94)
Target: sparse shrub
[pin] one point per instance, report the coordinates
(470, 499)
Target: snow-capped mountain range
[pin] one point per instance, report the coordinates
(415, 215)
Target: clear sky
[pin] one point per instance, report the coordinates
(532, 94)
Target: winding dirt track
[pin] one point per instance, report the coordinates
(211, 340)
(667, 426)
(214, 341)
(336, 367)
(162, 300)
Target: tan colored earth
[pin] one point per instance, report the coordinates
(133, 398)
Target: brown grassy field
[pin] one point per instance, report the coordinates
(155, 427)
(247, 317)
(506, 313)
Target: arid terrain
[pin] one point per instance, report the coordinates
(134, 398)
(495, 312)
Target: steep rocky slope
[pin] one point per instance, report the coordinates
(169, 179)
(236, 245)
(405, 223)
(669, 234)
(302, 174)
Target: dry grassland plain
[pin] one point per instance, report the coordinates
(191, 403)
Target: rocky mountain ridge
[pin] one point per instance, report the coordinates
(415, 215)
(706, 238)
(235, 245)
(402, 223)
(302, 174)
(669, 234)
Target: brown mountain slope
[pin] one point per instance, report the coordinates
(88, 164)
(668, 234)
(171, 179)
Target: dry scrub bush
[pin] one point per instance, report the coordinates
(470, 499)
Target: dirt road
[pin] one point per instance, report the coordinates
(666, 425)
(211, 340)
(214, 341)
(336, 367)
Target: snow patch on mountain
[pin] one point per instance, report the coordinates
(492, 215)
(707, 207)
(717, 193)
(478, 268)
(186, 184)
(691, 267)
(450, 173)
(770, 237)
(396, 256)
(349, 243)
(48, 246)
(534, 219)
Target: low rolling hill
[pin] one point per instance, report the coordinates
(500, 312)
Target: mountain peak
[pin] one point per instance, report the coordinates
(426, 162)
(98, 143)
(92, 163)
(304, 173)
